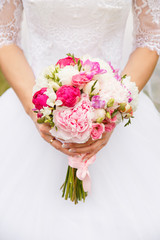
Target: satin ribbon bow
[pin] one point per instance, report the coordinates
(82, 170)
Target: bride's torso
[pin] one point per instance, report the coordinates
(56, 27)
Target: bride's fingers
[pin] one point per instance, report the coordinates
(87, 149)
(58, 145)
(44, 129)
(78, 145)
(87, 156)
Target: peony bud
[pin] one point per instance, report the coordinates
(110, 103)
(108, 115)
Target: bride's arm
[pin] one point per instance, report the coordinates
(18, 73)
(15, 67)
(140, 66)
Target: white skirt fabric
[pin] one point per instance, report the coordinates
(125, 200)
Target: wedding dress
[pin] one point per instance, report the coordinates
(125, 200)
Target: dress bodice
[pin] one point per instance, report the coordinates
(56, 27)
(79, 27)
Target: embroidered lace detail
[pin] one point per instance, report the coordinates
(10, 21)
(147, 24)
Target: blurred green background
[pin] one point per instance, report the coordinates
(3, 84)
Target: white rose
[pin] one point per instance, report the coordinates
(65, 74)
(99, 114)
(88, 86)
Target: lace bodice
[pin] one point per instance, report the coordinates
(96, 27)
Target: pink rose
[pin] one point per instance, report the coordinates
(109, 127)
(79, 80)
(74, 124)
(40, 99)
(97, 130)
(68, 95)
(66, 61)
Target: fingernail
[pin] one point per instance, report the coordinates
(64, 145)
(71, 150)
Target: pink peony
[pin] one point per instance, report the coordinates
(66, 61)
(74, 124)
(68, 95)
(97, 130)
(109, 127)
(79, 80)
(40, 99)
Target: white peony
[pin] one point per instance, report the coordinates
(65, 74)
(88, 86)
(113, 89)
(103, 78)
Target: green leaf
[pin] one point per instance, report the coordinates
(72, 56)
(114, 113)
(79, 65)
(93, 86)
(41, 120)
(129, 122)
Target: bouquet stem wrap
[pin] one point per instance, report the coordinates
(82, 172)
(78, 181)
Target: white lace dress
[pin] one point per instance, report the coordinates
(125, 200)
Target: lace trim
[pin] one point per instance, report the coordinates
(154, 10)
(147, 24)
(9, 31)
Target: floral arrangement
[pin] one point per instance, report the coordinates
(82, 98)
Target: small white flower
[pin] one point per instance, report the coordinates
(88, 86)
(46, 111)
(51, 96)
(54, 85)
(65, 74)
(48, 71)
(99, 114)
(58, 103)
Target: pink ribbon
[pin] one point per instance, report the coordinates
(82, 170)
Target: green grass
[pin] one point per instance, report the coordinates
(3, 84)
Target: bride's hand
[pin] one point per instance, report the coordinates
(89, 148)
(44, 129)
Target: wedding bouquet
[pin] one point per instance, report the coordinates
(81, 98)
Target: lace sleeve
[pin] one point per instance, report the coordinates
(146, 17)
(10, 21)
